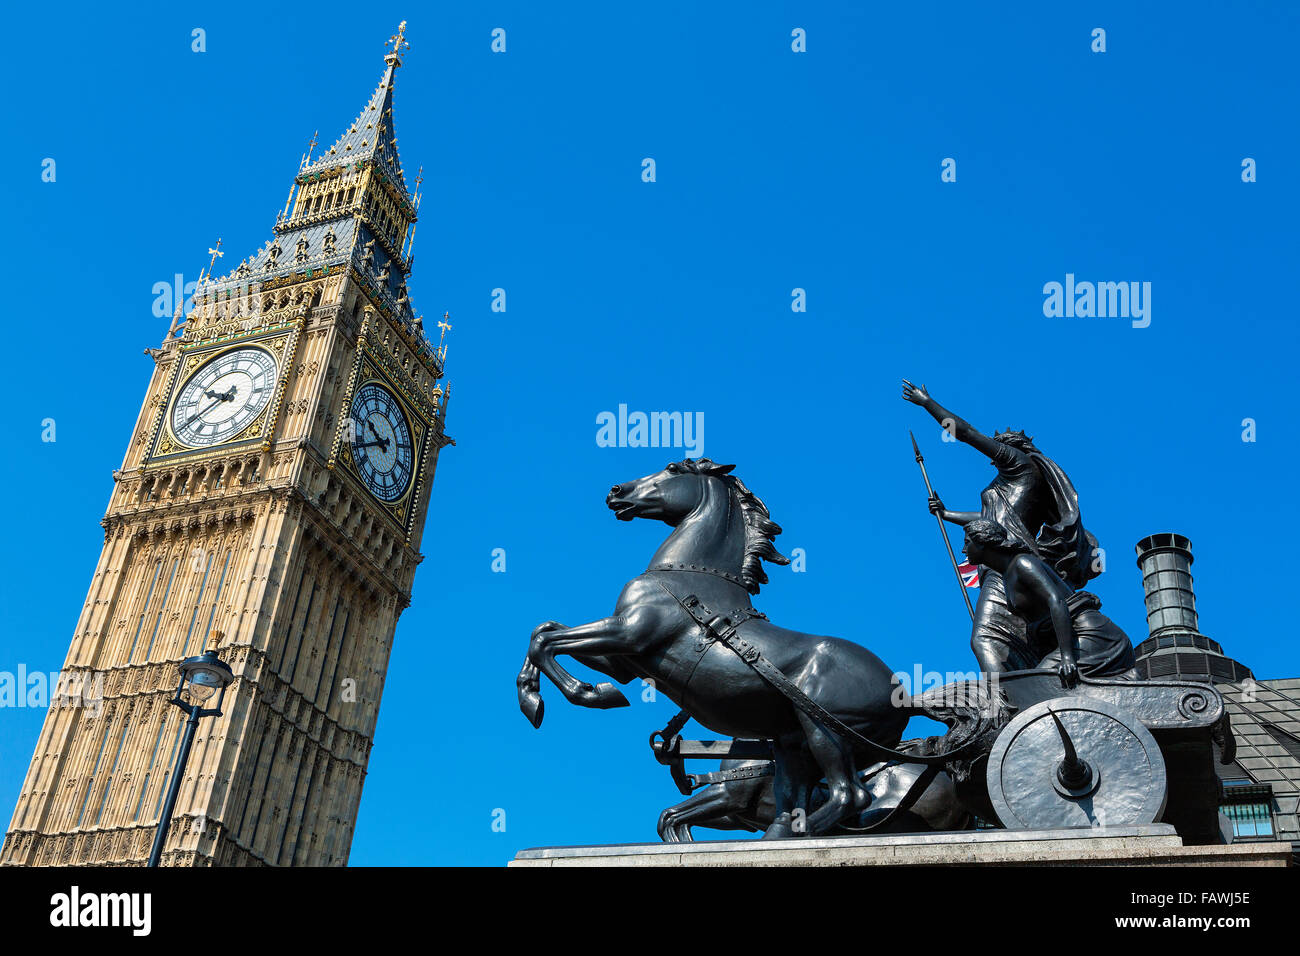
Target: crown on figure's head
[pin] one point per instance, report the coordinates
(1017, 438)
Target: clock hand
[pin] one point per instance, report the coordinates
(378, 441)
(381, 442)
(197, 415)
(226, 396)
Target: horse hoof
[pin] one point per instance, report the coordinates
(675, 833)
(546, 627)
(780, 829)
(606, 696)
(533, 706)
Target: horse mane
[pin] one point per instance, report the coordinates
(760, 529)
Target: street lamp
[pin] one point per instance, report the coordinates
(200, 678)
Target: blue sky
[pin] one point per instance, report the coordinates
(775, 170)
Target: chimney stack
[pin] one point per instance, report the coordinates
(1166, 563)
(1176, 648)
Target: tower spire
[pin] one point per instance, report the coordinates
(349, 196)
(371, 137)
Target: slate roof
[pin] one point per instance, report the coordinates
(371, 136)
(344, 231)
(1266, 723)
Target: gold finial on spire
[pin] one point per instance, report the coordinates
(216, 254)
(306, 160)
(398, 40)
(446, 327)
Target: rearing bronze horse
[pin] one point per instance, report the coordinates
(721, 535)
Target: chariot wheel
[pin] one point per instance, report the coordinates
(1075, 762)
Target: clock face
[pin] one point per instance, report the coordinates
(381, 442)
(224, 396)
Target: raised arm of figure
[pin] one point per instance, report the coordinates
(952, 423)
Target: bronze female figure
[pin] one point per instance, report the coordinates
(1034, 500)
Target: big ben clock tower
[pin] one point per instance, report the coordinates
(271, 506)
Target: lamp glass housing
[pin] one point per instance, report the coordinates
(203, 684)
(201, 677)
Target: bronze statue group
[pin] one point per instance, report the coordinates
(815, 721)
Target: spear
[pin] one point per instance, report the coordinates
(942, 530)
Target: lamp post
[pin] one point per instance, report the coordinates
(200, 678)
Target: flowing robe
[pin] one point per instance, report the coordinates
(1102, 649)
(1035, 501)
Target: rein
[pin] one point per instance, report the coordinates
(723, 628)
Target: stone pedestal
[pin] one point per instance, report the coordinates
(1152, 845)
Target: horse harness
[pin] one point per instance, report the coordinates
(684, 670)
(723, 629)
